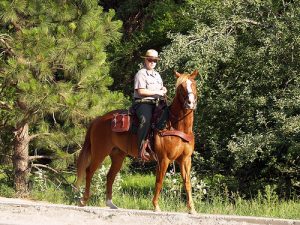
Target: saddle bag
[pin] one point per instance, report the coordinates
(120, 122)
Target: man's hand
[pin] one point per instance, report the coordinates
(162, 91)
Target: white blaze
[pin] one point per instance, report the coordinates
(191, 95)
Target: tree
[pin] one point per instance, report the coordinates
(54, 76)
(146, 24)
(248, 55)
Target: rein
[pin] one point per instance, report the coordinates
(185, 98)
(175, 117)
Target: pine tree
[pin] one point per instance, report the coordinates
(54, 75)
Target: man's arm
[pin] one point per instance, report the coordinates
(147, 93)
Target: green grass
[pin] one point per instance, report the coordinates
(135, 191)
(6, 186)
(6, 190)
(51, 194)
(281, 209)
(142, 184)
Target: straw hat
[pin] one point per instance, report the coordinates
(151, 53)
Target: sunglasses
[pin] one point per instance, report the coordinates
(152, 60)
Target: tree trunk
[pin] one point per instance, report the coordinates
(20, 160)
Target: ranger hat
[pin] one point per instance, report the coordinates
(151, 53)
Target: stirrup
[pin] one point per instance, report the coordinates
(143, 154)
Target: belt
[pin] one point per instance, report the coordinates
(142, 100)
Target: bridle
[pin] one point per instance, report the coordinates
(185, 96)
(188, 101)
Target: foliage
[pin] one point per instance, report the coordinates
(54, 73)
(6, 187)
(60, 68)
(146, 24)
(249, 88)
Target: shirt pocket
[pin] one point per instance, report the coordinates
(153, 85)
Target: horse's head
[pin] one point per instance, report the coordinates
(186, 89)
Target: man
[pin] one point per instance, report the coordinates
(148, 88)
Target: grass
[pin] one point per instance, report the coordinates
(281, 209)
(135, 191)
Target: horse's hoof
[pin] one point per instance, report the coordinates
(111, 205)
(82, 203)
(192, 212)
(157, 209)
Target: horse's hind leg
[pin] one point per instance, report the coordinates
(90, 170)
(117, 157)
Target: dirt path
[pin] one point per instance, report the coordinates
(25, 212)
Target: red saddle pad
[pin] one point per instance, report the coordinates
(120, 122)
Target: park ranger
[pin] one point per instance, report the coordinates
(148, 89)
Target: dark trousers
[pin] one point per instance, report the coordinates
(144, 113)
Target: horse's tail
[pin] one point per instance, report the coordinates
(84, 158)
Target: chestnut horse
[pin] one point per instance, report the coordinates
(100, 142)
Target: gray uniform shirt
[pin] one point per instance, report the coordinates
(145, 80)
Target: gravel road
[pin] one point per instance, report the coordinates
(26, 212)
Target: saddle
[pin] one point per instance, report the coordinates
(126, 120)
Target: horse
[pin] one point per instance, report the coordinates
(174, 144)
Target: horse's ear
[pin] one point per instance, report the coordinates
(177, 74)
(194, 74)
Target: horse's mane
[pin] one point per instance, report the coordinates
(182, 79)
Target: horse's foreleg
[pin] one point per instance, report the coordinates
(160, 173)
(117, 157)
(185, 169)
